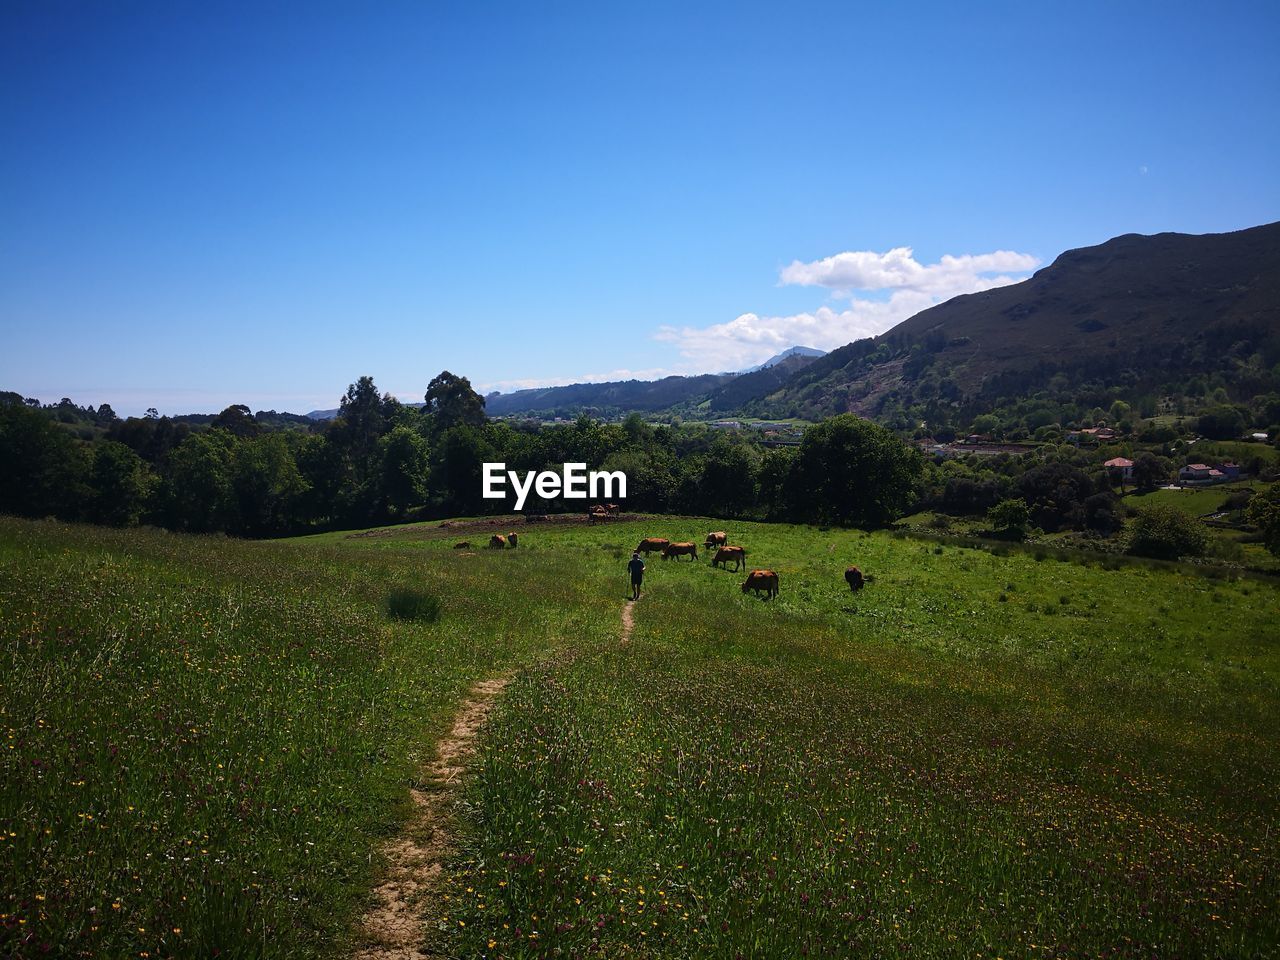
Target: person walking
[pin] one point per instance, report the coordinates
(636, 568)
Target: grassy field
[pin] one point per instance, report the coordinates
(1195, 501)
(976, 756)
(205, 738)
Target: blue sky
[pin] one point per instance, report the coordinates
(203, 204)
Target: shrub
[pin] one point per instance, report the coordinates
(1166, 533)
(418, 606)
(1011, 518)
(1264, 513)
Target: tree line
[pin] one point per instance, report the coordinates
(382, 461)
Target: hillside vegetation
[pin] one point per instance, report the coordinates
(977, 755)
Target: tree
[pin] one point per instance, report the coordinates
(650, 477)
(453, 403)
(852, 472)
(198, 492)
(1264, 513)
(986, 424)
(42, 469)
(121, 485)
(1054, 493)
(405, 456)
(1165, 532)
(1149, 471)
(238, 421)
(776, 478)
(1010, 518)
(268, 485)
(325, 471)
(457, 472)
(727, 487)
(636, 430)
(1103, 513)
(1221, 423)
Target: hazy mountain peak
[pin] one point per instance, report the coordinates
(777, 358)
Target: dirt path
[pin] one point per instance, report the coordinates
(393, 927)
(628, 620)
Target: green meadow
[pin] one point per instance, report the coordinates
(976, 756)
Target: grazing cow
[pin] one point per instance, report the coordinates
(612, 509)
(498, 541)
(853, 576)
(463, 545)
(737, 554)
(689, 550)
(597, 514)
(718, 539)
(765, 580)
(650, 544)
(513, 539)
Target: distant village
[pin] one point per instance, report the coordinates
(1189, 475)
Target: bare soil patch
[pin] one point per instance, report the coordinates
(517, 522)
(628, 620)
(393, 928)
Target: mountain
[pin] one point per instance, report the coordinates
(1148, 311)
(808, 352)
(619, 396)
(714, 392)
(759, 381)
(332, 414)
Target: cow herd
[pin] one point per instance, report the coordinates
(603, 511)
(758, 581)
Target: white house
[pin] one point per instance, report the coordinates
(1122, 466)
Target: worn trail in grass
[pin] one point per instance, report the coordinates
(395, 926)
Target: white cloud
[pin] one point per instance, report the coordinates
(912, 286)
(900, 270)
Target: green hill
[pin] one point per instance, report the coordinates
(1146, 312)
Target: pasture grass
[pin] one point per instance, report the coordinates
(978, 755)
(1084, 768)
(205, 739)
(1194, 501)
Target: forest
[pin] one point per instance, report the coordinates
(382, 461)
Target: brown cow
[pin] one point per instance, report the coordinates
(463, 545)
(689, 550)
(612, 509)
(513, 539)
(497, 541)
(853, 576)
(649, 544)
(597, 514)
(758, 580)
(718, 539)
(737, 554)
